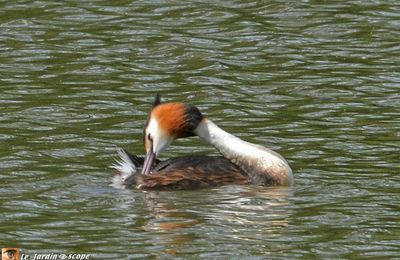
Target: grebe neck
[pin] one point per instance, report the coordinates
(264, 166)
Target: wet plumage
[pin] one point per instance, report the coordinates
(187, 172)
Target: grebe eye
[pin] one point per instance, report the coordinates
(149, 137)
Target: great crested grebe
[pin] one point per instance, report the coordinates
(242, 162)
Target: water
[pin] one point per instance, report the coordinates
(316, 81)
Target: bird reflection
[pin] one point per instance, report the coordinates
(248, 208)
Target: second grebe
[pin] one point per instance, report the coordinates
(169, 121)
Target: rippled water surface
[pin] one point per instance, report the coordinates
(317, 81)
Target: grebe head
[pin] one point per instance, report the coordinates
(165, 123)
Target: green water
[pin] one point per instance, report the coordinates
(317, 81)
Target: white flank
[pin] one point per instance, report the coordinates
(125, 168)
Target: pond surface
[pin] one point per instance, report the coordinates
(317, 81)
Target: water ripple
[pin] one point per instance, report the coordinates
(318, 82)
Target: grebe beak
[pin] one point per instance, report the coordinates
(149, 161)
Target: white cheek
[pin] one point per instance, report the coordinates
(160, 140)
(152, 128)
(161, 145)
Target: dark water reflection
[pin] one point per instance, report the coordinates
(316, 81)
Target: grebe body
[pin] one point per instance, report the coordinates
(242, 162)
(187, 172)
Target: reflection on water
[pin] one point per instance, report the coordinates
(236, 202)
(316, 81)
(228, 212)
